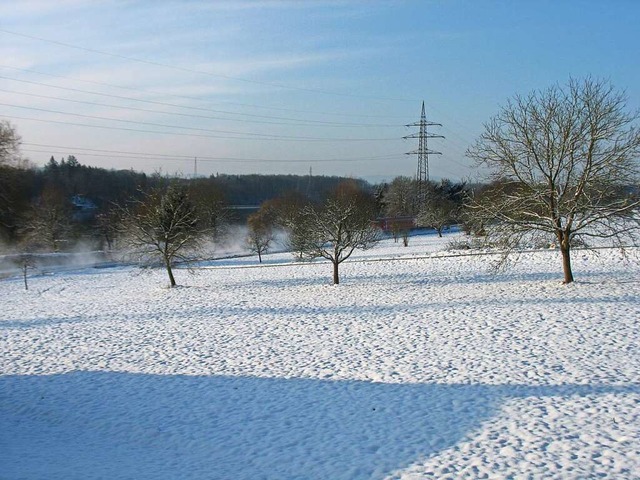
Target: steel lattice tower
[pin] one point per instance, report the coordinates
(423, 152)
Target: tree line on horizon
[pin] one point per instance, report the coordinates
(78, 197)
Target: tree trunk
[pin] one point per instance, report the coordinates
(259, 255)
(336, 279)
(172, 280)
(565, 248)
(24, 274)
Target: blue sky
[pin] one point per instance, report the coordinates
(282, 86)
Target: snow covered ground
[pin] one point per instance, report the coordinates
(417, 365)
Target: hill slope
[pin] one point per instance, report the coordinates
(417, 364)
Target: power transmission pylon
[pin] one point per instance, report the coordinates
(310, 180)
(423, 152)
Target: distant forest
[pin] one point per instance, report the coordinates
(105, 186)
(96, 190)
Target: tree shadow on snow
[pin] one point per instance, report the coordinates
(427, 277)
(84, 425)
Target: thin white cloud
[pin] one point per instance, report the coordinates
(17, 10)
(236, 5)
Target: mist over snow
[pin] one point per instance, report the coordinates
(233, 242)
(421, 363)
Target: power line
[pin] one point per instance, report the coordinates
(453, 119)
(189, 70)
(464, 140)
(216, 160)
(247, 136)
(163, 156)
(146, 110)
(166, 104)
(186, 97)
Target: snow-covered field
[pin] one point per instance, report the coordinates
(425, 365)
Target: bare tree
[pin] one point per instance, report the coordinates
(9, 160)
(260, 234)
(300, 236)
(288, 213)
(341, 225)
(564, 157)
(9, 145)
(212, 206)
(164, 226)
(442, 205)
(48, 225)
(401, 197)
(107, 226)
(24, 262)
(438, 213)
(401, 204)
